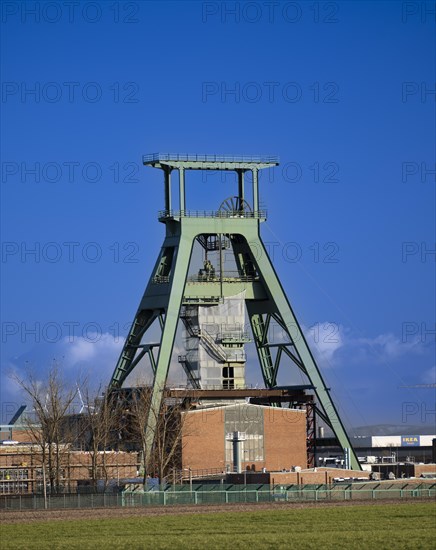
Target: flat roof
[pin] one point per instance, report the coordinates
(195, 157)
(196, 161)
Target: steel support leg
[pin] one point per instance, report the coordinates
(178, 279)
(277, 295)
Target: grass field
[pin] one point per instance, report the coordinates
(378, 526)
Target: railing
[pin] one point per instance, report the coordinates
(230, 277)
(186, 157)
(161, 279)
(195, 493)
(195, 381)
(227, 355)
(199, 473)
(235, 337)
(212, 345)
(164, 214)
(213, 387)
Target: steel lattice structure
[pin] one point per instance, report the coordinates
(169, 290)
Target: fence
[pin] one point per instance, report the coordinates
(222, 494)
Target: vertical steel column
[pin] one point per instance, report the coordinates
(178, 280)
(182, 190)
(221, 264)
(255, 190)
(167, 183)
(241, 190)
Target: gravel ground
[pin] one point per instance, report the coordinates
(27, 516)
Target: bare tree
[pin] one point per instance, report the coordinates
(168, 422)
(51, 399)
(135, 415)
(99, 431)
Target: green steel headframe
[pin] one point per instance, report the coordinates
(169, 289)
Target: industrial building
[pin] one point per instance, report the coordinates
(271, 438)
(214, 278)
(21, 470)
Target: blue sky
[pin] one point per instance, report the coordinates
(340, 91)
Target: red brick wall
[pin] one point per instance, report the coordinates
(203, 444)
(203, 439)
(322, 475)
(23, 436)
(285, 439)
(424, 468)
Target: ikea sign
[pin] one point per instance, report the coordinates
(410, 441)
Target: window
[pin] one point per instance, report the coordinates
(248, 419)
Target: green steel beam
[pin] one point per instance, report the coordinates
(294, 359)
(152, 360)
(182, 189)
(255, 190)
(167, 183)
(266, 329)
(241, 190)
(178, 278)
(143, 320)
(263, 352)
(277, 361)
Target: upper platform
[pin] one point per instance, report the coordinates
(209, 162)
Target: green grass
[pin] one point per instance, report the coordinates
(374, 526)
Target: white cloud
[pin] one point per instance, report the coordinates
(386, 346)
(94, 356)
(335, 345)
(93, 347)
(325, 339)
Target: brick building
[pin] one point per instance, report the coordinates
(274, 438)
(21, 468)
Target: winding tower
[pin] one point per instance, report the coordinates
(172, 295)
